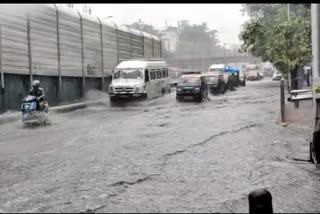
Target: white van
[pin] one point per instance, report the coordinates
(140, 78)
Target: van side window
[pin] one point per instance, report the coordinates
(152, 74)
(158, 71)
(163, 73)
(146, 75)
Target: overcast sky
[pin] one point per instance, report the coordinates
(226, 18)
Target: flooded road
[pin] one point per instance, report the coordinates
(161, 156)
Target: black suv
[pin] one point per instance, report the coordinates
(192, 87)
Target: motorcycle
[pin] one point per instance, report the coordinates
(31, 115)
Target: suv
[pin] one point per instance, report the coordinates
(192, 87)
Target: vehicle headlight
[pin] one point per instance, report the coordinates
(196, 89)
(136, 90)
(179, 89)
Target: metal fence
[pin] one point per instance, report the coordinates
(62, 43)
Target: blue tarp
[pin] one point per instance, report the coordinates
(231, 70)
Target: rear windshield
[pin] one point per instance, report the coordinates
(189, 82)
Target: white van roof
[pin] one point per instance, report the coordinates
(141, 64)
(217, 66)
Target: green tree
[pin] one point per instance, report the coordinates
(271, 36)
(140, 25)
(196, 41)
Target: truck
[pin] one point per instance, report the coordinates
(216, 78)
(233, 77)
(252, 72)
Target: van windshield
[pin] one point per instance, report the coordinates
(128, 73)
(189, 82)
(216, 70)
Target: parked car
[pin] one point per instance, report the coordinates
(192, 87)
(276, 76)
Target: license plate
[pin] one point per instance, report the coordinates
(188, 97)
(123, 95)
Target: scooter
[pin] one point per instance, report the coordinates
(30, 114)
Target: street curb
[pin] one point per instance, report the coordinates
(72, 107)
(11, 117)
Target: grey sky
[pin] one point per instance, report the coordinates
(226, 18)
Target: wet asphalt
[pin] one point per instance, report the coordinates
(161, 156)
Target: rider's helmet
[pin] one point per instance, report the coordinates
(36, 84)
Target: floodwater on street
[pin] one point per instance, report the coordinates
(161, 155)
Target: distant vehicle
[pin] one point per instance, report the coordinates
(252, 72)
(276, 75)
(189, 72)
(261, 75)
(192, 87)
(215, 78)
(175, 73)
(139, 78)
(242, 78)
(267, 71)
(233, 77)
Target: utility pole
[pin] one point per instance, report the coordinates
(315, 144)
(289, 73)
(288, 12)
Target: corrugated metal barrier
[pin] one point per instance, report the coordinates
(69, 52)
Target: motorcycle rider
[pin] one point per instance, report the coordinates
(38, 93)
